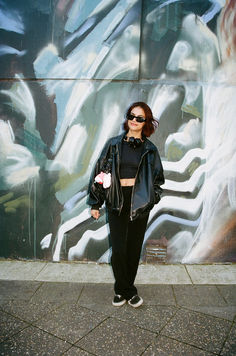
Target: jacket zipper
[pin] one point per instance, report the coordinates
(118, 170)
(131, 218)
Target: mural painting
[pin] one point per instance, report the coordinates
(69, 68)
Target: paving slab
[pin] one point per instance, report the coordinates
(229, 348)
(218, 300)
(98, 297)
(114, 337)
(228, 292)
(29, 311)
(196, 329)
(212, 274)
(57, 292)
(164, 346)
(9, 325)
(148, 317)
(227, 312)
(157, 294)
(33, 341)
(70, 322)
(162, 274)
(198, 295)
(20, 270)
(17, 289)
(76, 351)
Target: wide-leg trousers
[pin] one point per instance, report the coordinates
(126, 239)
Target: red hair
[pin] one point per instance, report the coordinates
(150, 123)
(227, 27)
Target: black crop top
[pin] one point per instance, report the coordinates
(130, 158)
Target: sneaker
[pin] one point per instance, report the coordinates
(135, 301)
(118, 300)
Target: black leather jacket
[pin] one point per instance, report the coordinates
(146, 191)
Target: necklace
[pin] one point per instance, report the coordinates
(133, 142)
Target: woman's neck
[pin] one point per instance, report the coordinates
(134, 134)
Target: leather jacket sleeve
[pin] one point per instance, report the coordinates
(96, 193)
(158, 177)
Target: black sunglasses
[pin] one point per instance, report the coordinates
(138, 118)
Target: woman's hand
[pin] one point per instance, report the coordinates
(95, 214)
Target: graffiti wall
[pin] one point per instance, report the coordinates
(69, 69)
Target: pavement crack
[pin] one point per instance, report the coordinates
(151, 343)
(173, 291)
(89, 332)
(167, 322)
(40, 285)
(14, 334)
(205, 314)
(188, 274)
(189, 344)
(220, 293)
(45, 264)
(227, 337)
(80, 295)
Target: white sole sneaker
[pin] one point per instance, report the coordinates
(119, 304)
(137, 304)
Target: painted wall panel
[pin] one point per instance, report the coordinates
(69, 69)
(71, 39)
(179, 40)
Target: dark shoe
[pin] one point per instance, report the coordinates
(135, 301)
(118, 300)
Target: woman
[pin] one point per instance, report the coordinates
(136, 176)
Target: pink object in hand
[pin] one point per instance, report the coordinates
(104, 179)
(99, 178)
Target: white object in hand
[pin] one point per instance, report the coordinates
(104, 179)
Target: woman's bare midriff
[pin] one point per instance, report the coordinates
(127, 182)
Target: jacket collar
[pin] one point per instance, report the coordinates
(148, 145)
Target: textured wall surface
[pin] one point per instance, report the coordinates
(69, 69)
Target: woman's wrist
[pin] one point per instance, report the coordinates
(95, 213)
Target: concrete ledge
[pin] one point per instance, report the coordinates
(20, 270)
(163, 274)
(212, 274)
(102, 273)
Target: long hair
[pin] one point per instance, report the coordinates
(150, 124)
(227, 30)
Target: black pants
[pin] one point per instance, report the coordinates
(126, 238)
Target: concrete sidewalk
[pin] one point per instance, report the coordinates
(187, 311)
(61, 318)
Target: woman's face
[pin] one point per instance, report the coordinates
(133, 124)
